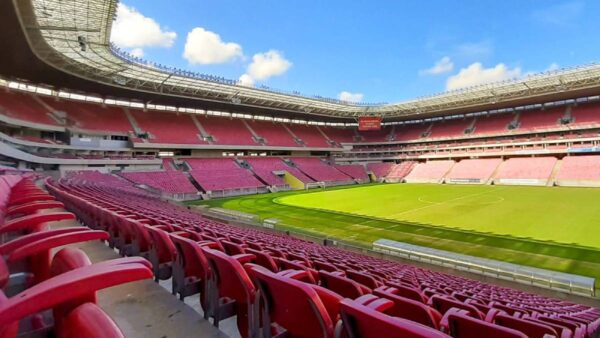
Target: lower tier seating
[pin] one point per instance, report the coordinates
(525, 170)
(473, 170)
(429, 172)
(57, 297)
(295, 288)
(356, 171)
(319, 171)
(401, 170)
(579, 170)
(174, 182)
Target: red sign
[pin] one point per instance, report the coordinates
(369, 123)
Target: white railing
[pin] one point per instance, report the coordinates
(563, 282)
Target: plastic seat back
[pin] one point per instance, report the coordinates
(531, 329)
(464, 326)
(343, 286)
(361, 321)
(411, 309)
(292, 305)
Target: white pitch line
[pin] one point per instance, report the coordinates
(438, 203)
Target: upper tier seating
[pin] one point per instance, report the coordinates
(579, 170)
(263, 167)
(526, 170)
(410, 132)
(318, 170)
(429, 172)
(586, 114)
(174, 182)
(94, 117)
(273, 133)
(399, 171)
(340, 135)
(376, 135)
(356, 171)
(541, 119)
(227, 131)
(450, 128)
(380, 170)
(214, 174)
(473, 170)
(24, 107)
(309, 135)
(239, 261)
(492, 124)
(168, 127)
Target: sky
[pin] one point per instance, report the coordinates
(362, 51)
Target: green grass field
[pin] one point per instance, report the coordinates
(547, 227)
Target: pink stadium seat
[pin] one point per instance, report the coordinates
(463, 326)
(170, 128)
(586, 114)
(339, 135)
(450, 128)
(430, 171)
(579, 169)
(214, 174)
(473, 170)
(356, 171)
(343, 286)
(492, 124)
(273, 133)
(410, 309)
(541, 119)
(227, 131)
(24, 107)
(401, 170)
(410, 132)
(380, 170)
(94, 117)
(167, 181)
(526, 168)
(309, 135)
(316, 169)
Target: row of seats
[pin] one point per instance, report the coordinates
(278, 286)
(34, 279)
(172, 181)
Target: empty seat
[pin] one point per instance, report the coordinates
(364, 322)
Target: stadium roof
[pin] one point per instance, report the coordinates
(73, 37)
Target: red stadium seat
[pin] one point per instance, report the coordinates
(293, 308)
(231, 292)
(365, 322)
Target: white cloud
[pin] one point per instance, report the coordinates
(137, 52)
(443, 65)
(350, 97)
(132, 29)
(206, 47)
(264, 66)
(476, 74)
(246, 80)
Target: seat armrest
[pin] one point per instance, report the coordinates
(34, 221)
(71, 285)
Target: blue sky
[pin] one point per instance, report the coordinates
(375, 51)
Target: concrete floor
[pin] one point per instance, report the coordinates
(146, 309)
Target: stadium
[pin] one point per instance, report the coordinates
(144, 200)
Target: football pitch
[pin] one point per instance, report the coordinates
(547, 227)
